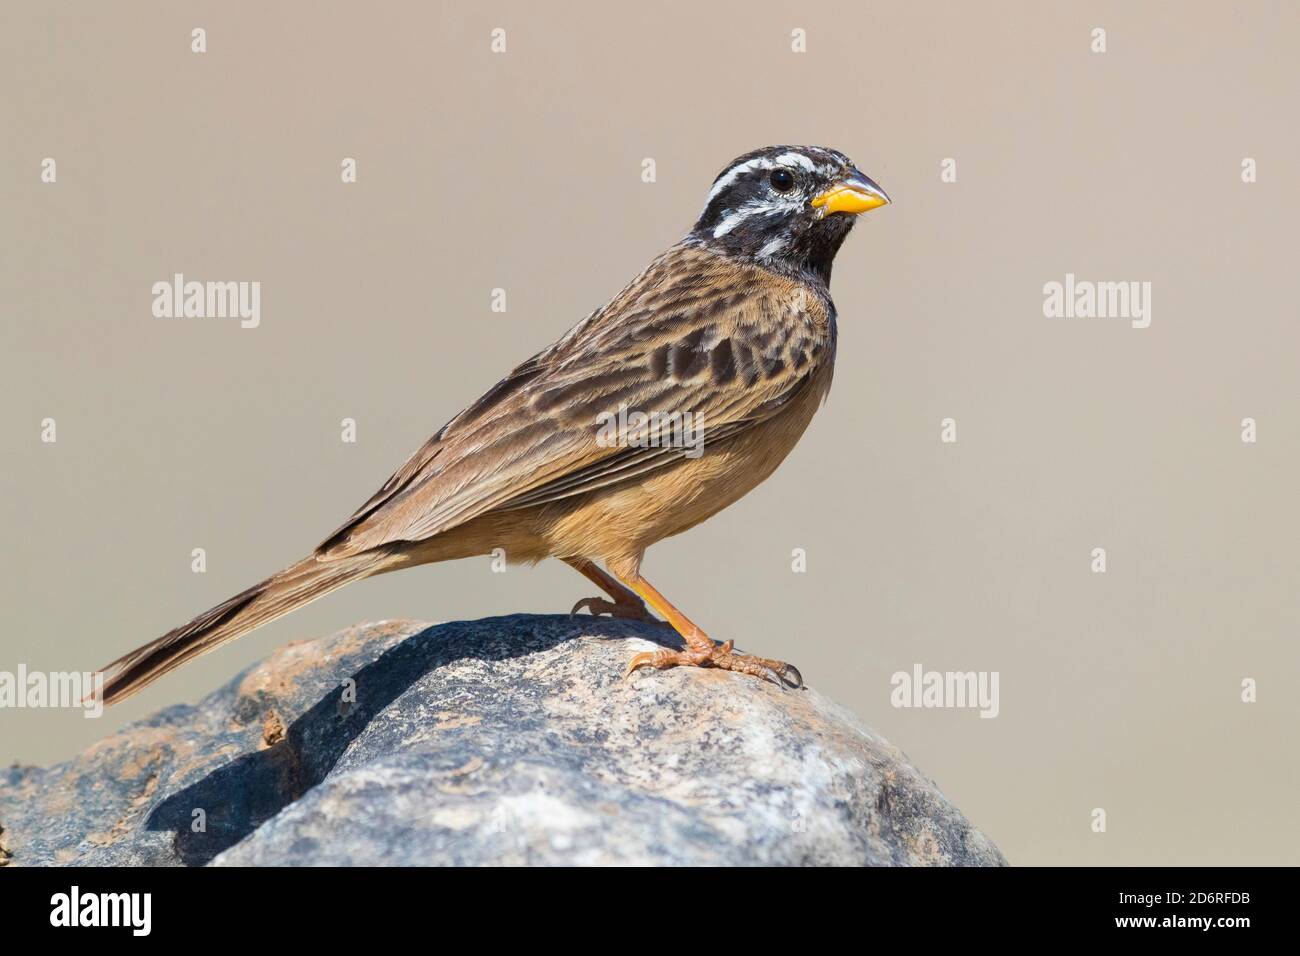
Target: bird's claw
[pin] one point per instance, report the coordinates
(789, 676)
(627, 611)
(642, 659)
(783, 675)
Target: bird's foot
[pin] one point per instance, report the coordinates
(628, 610)
(722, 657)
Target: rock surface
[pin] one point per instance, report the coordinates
(508, 740)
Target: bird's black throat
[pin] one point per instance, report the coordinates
(809, 249)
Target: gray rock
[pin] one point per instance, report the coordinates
(507, 740)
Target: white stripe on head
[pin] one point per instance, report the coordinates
(796, 159)
(790, 159)
(832, 163)
(753, 208)
(735, 172)
(772, 247)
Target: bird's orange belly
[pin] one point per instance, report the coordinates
(617, 524)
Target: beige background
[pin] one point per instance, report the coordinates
(523, 171)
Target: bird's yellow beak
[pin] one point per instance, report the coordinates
(853, 194)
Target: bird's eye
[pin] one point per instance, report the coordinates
(782, 180)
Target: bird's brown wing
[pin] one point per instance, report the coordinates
(729, 343)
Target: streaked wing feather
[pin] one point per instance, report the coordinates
(695, 332)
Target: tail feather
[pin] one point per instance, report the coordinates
(293, 587)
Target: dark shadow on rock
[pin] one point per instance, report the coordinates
(240, 796)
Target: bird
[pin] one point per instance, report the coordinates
(580, 454)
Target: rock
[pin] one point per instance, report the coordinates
(507, 740)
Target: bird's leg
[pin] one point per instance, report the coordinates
(700, 649)
(625, 604)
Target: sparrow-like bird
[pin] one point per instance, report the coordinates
(733, 325)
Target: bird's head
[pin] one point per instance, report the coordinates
(786, 207)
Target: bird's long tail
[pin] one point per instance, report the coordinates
(279, 594)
